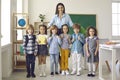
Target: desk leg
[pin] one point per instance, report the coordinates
(113, 64)
(100, 64)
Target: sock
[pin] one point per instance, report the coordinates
(89, 68)
(93, 65)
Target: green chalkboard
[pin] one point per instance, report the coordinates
(85, 20)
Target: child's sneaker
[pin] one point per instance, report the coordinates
(66, 72)
(56, 73)
(73, 72)
(63, 73)
(44, 74)
(52, 74)
(28, 75)
(93, 74)
(33, 75)
(89, 74)
(40, 74)
(78, 73)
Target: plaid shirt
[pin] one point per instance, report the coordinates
(30, 45)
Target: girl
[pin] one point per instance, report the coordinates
(77, 49)
(92, 49)
(54, 43)
(65, 49)
(30, 50)
(42, 49)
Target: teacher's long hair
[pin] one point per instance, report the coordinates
(57, 12)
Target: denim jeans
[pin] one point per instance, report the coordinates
(30, 63)
(54, 58)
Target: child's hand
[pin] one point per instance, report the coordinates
(88, 54)
(50, 38)
(95, 54)
(73, 39)
(24, 54)
(58, 37)
(35, 54)
(78, 37)
(61, 36)
(68, 37)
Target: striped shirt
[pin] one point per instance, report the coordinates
(29, 44)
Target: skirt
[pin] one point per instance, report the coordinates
(42, 50)
(92, 58)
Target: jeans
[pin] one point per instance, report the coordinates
(54, 58)
(30, 63)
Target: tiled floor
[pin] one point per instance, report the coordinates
(21, 74)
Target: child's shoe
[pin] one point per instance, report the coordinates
(28, 75)
(56, 73)
(93, 74)
(63, 73)
(73, 72)
(40, 74)
(66, 72)
(33, 75)
(78, 73)
(44, 74)
(52, 74)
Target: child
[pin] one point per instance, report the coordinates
(65, 37)
(92, 49)
(54, 43)
(42, 49)
(77, 49)
(30, 50)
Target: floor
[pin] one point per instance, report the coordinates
(21, 74)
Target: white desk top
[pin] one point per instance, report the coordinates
(109, 46)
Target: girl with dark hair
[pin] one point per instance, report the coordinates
(65, 37)
(92, 44)
(42, 49)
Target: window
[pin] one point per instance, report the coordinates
(116, 19)
(19, 6)
(5, 22)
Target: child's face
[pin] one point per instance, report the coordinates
(91, 32)
(54, 31)
(60, 9)
(30, 31)
(42, 30)
(76, 31)
(65, 29)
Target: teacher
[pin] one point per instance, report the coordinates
(60, 18)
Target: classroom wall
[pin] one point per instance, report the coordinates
(0, 46)
(6, 53)
(102, 8)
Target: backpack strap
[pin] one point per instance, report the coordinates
(34, 38)
(26, 40)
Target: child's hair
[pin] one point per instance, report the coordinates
(52, 28)
(76, 26)
(44, 27)
(66, 26)
(29, 26)
(91, 27)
